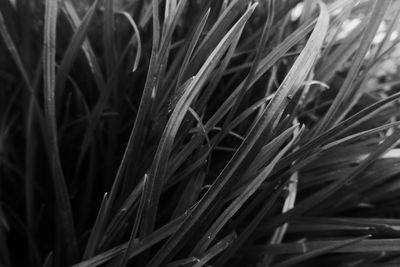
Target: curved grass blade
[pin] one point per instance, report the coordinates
(221, 26)
(165, 48)
(94, 237)
(205, 98)
(160, 164)
(138, 39)
(135, 228)
(71, 52)
(359, 135)
(125, 212)
(73, 18)
(49, 260)
(65, 222)
(14, 53)
(191, 46)
(200, 125)
(363, 246)
(109, 28)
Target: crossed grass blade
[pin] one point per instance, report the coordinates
(73, 18)
(71, 52)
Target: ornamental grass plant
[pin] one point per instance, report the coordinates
(199, 133)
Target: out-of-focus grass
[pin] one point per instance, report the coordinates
(199, 133)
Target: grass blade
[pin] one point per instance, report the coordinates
(216, 249)
(362, 246)
(94, 237)
(109, 27)
(73, 18)
(191, 46)
(14, 53)
(68, 243)
(138, 39)
(72, 51)
(319, 251)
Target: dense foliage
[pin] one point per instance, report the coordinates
(199, 133)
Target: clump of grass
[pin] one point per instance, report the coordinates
(199, 133)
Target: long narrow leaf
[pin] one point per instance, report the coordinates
(63, 206)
